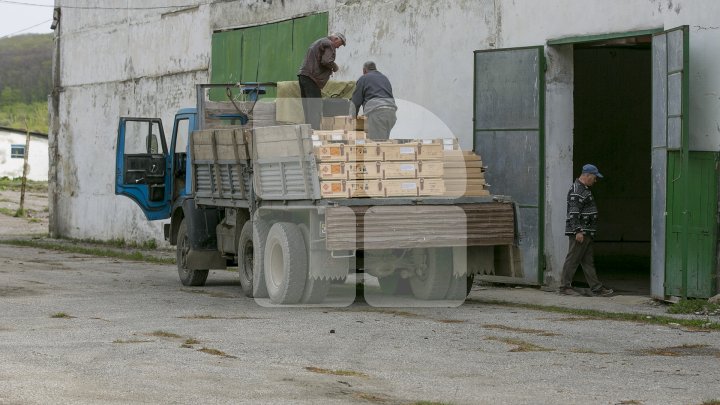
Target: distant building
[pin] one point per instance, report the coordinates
(12, 154)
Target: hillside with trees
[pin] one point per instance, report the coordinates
(25, 80)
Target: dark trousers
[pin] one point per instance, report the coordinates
(311, 101)
(380, 122)
(580, 254)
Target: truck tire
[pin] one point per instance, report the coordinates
(434, 282)
(260, 231)
(245, 258)
(285, 263)
(315, 289)
(188, 277)
(460, 287)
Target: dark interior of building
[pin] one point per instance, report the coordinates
(612, 129)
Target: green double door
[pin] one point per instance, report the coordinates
(685, 201)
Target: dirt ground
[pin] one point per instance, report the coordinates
(36, 204)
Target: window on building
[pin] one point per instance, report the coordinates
(17, 151)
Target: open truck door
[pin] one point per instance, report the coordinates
(142, 166)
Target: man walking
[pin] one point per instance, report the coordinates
(314, 74)
(374, 93)
(580, 226)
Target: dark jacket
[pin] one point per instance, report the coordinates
(582, 213)
(319, 62)
(373, 90)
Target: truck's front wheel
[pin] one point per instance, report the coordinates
(187, 277)
(286, 265)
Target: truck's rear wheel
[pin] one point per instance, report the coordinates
(285, 264)
(433, 281)
(187, 277)
(245, 258)
(315, 289)
(260, 233)
(460, 287)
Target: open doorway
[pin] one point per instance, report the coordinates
(612, 129)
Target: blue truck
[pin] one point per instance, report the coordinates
(234, 194)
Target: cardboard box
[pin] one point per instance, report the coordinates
(411, 170)
(327, 123)
(350, 188)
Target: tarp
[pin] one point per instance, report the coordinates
(289, 105)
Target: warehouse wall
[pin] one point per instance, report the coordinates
(144, 63)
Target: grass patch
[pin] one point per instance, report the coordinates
(61, 315)
(683, 350)
(520, 345)
(164, 334)
(430, 403)
(15, 184)
(344, 373)
(711, 402)
(520, 330)
(216, 352)
(694, 324)
(129, 341)
(693, 307)
(64, 247)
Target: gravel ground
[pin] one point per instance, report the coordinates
(128, 332)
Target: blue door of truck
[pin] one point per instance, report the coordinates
(143, 167)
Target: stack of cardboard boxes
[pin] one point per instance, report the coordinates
(350, 165)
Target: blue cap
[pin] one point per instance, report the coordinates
(591, 169)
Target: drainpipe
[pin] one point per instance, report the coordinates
(54, 129)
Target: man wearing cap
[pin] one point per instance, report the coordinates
(582, 215)
(314, 74)
(374, 93)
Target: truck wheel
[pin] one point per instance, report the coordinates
(188, 277)
(245, 259)
(433, 283)
(285, 263)
(460, 287)
(260, 229)
(315, 289)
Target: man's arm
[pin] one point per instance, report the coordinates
(328, 58)
(357, 97)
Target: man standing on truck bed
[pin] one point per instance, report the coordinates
(374, 92)
(314, 74)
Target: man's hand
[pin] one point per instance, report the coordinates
(580, 237)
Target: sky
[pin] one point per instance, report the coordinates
(16, 17)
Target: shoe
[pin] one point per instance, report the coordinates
(603, 292)
(569, 291)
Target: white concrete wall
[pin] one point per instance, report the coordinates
(37, 157)
(146, 64)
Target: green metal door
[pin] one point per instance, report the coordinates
(265, 53)
(696, 277)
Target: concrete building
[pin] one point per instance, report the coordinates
(593, 81)
(12, 154)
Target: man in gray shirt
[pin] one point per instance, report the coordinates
(314, 74)
(374, 93)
